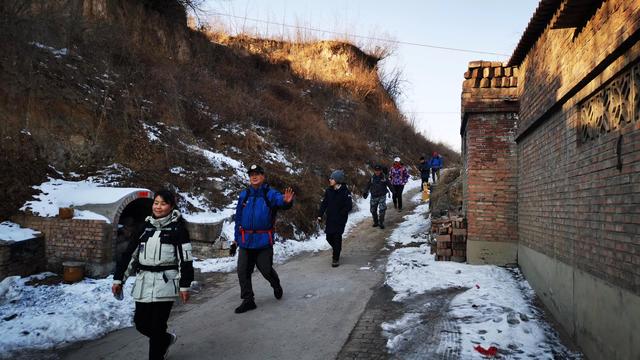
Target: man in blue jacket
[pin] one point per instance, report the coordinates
(254, 231)
(436, 164)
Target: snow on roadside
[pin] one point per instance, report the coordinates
(413, 225)
(48, 316)
(496, 309)
(13, 232)
(399, 331)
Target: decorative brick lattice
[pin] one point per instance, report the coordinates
(612, 107)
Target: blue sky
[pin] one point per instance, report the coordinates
(434, 76)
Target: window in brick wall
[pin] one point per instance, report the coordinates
(614, 106)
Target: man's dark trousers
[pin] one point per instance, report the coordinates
(250, 258)
(335, 240)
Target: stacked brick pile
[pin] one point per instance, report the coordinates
(451, 239)
(490, 74)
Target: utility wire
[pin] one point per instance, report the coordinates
(358, 36)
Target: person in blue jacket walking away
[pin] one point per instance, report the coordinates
(337, 204)
(254, 231)
(436, 164)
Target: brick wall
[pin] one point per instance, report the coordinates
(562, 58)
(578, 172)
(489, 176)
(575, 205)
(582, 90)
(22, 257)
(491, 163)
(89, 241)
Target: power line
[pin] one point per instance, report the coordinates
(359, 36)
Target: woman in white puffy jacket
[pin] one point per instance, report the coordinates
(159, 255)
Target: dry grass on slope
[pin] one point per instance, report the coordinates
(130, 69)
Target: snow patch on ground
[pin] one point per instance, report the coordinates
(206, 215)
(496, 309)
(400, 330)
(218, 160)
(13, 232)
(177, 170)
(48, 316)
(57, 53)
(413, 225)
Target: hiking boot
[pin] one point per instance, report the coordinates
(172, 341)
(277, 292)
(246, 306)
(335, 263)
(374, 225)
(382, 226)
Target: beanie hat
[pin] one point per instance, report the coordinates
(338, 176)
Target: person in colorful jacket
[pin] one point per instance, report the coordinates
(398, 176)
(159, 255)
(336, 204)
(379, 187)
(254, 234)
(436, 164)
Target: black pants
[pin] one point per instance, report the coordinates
(335, 240)
(151, 321)
(397, 196)
(250, 258)
(435, 173)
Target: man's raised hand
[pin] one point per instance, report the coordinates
(288, 195)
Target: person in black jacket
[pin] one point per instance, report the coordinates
(159, 255)
(425, 169)
(336, 204)
(379, 187)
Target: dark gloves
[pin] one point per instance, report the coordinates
(365, 195)
(232, 249)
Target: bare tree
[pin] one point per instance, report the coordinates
(393, 82)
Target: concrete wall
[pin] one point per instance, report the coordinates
(206, 240)
(601, 317)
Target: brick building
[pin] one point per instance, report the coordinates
(552, 167)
